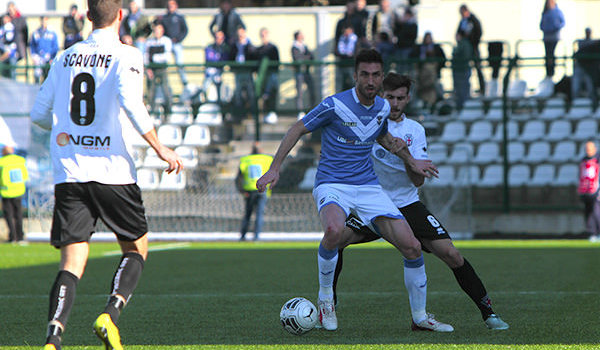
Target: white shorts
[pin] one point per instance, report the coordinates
(365, 201)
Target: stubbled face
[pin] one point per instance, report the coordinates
(368, 77)
(398, 100)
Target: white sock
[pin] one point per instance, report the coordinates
(326, 274)
(415, 281)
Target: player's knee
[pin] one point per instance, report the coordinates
(412, 250)
(333, 232)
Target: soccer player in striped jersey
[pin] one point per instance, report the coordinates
(351, 122)
(81, 101)
(400, 184)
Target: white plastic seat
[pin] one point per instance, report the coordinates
(147, 179)
(453, 131)
(137, 153)
(542, 175)
(495, 113)
(472, 110)
(568, 174)
(554, 108)
(169, 135)
(151, 160)
(564, 151)
(481, 130)
(197, 135)
(487, 152)
(189, 156)
(516, 151)
(533, 131)
(467, 175)
(445, 177)
(559, 130)
(581, 108)
(519, 175)
(461, 153)
(539, 151)
(308, 181)
(517, 89)
(512, 131)
(180, 115)
(209, 114)
(172, 181)
(585, 129)
(437, 152)
(492, 176)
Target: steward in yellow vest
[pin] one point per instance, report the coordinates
(13, 175)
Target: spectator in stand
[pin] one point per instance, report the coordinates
(431, 59)
(300, 52)
(8, 44)
(385, 20)
(586, 70)
(345, 20)
(359, 20)
(552, 22)
(471, 29)
(461, 69)
(244, 95)
(135, 27)
(227, 20)
(218, 51)
(589, 169)
(158, 49)
(176, 29)
(271, 85)
(345, 50)
(72, 27)
(44, 47)
(407, 37)
(21, 30)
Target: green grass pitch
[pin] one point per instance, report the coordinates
(228, 296)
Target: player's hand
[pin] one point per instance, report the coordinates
(270, 177)
(425, 167)
(169, 156)
(397, 145)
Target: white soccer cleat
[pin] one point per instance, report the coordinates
(495, 322)
(432, 325)
(327, 316)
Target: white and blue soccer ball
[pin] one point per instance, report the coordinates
(298, 316)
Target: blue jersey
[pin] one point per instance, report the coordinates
(349, 132)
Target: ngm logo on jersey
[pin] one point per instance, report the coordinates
(85, 141)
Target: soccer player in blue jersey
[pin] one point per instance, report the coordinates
(351, 122)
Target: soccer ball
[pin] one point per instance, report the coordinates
(298, 316)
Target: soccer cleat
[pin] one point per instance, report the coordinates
(108, 332)
(495, 322)
(432, 325)
(327, 316)
(51, 347)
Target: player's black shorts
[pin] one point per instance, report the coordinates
(423, 224)
(78, 206)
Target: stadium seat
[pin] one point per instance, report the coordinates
(137, 153)
(209, 114)
(189, 155)
(445, 177)
(585, 129)
(542, 175)
(559, 130)
(197, 135)
(554, 108)
(487, 152)
(495, 111)
(467, 175)
(568, 174)
(147, 179)
(169, 135)
(512, 131)
(151, 160)
(180, 115)
(492, 176)
(172, 182)
(517, 89)
(453, 131)
(518, 175)
(472, 110)
(461, 153)
(564, 151)
(437, 152)
(481, 130)
(533, 131)
(308, 181)
(516, 151)
(538, 151)
(581, 108)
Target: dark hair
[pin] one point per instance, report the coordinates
(395, 81)
(296, 33)
(103, 12)
(367, 56)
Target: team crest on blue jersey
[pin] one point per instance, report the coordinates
(379, 120)
(409, 139)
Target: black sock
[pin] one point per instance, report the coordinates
(126, 279)
(62, 297)
(469, 282)
(338, 270)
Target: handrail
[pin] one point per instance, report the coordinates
(505, 81)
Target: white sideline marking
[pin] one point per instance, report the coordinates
(194, 236)
(156, 248)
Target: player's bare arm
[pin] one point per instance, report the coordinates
(397, 146)
(164, 152)
(289, 141)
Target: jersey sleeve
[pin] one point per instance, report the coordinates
(319, 116)
(41, 113)
(130, 85)
(420, 146)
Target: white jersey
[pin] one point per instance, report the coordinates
(390, 169)
(81, 101)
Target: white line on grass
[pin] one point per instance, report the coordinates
(156, 248)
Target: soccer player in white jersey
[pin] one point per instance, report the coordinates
(351, 122)
(94, 174)
(400, 184)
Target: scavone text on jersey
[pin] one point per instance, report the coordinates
(81, 60)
